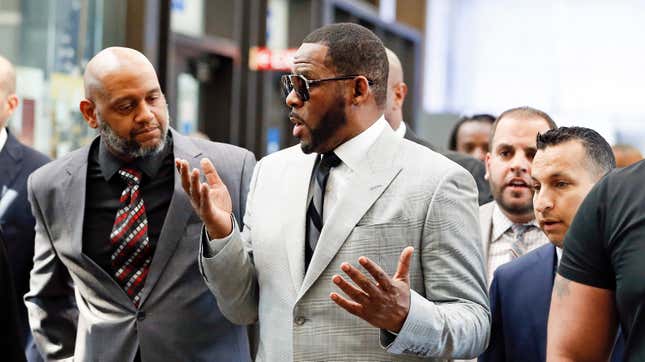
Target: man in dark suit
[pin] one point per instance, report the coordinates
(115, 274)
(569, 161)
(17, 162)
(396, 92)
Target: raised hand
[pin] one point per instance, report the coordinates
(210, 199)
(384, 304)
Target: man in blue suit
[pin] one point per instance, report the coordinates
(17, 162)
(569, 161)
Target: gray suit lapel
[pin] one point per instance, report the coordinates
(74, 186)
(297, 179)
(366, 186)
(177, 216)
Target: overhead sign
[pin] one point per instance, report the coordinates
(263, 58)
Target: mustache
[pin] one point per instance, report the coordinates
(293, 115)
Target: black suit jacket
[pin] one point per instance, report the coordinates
(11, 341)
(473, 165)
(17, 162)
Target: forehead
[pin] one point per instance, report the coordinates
(310, 57)
(568, 159)
(519, 130)
(125, 81)
(474, 127)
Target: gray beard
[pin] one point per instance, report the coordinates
(129, 148)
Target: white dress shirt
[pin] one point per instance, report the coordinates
(401, 130)
(503, 237)
(351, 153)
(3, 138)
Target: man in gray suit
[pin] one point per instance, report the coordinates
(370, 196)
(508, 225)
(115, 276)
(396, 93)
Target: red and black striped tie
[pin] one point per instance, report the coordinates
(131, 248)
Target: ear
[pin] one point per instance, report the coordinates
(12, 102)
(88, 109)
(400, 91)
(361, 90)
(487, 164)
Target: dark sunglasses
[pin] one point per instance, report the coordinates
(301, 84)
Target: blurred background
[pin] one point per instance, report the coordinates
(219, 61)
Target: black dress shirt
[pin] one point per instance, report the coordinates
(104, 188)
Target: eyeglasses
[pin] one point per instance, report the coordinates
(301, 84)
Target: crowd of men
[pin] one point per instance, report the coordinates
(362, 243)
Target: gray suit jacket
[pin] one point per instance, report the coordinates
(486, 225)
(76, 309)
(404, 194)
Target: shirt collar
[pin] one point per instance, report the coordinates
(149, 165)
(3, 137)
(401, 130)
(501, 223)
(353, 151)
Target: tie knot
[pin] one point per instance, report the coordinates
(330, 160)
(520, 229)
(130, 175)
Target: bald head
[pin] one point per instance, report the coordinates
(110, 62)
(8, 98)
(396, 91)
(7, 77)
(395, 74)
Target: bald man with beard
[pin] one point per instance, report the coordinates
(397, 90)
(115, 276)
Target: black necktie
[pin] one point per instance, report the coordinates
(315, 208)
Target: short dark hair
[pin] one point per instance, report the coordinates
(354, 49)
(483, 117)
(599, 153)
(525, 112)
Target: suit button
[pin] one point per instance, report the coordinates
(300, 320)
(141, 315)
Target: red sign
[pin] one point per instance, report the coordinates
(262, 58)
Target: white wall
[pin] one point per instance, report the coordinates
(581, 61)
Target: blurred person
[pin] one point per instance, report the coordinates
(11, 343)
(508, 225)
(115, 276)
(626, 155)
(17, 162)
(372, 197)
(471, 135)
(396, 93)
(599, 284)
(568, 162)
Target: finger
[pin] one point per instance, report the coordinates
(350, 290)
(352, 307)
(182, 168)
(209, 171)
(379, 274)
(194, 186)
(205, 204)
(403, 269)
(360, 279)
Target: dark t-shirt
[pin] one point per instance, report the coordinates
(605, 248)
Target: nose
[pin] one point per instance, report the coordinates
(479, 154)
(520, 163)
(293, 101)
(542, 201)
(144, 113)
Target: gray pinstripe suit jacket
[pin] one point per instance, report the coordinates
(405, 194)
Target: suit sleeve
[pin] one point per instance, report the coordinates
(51, 307)
(452, 318)
(228, 269)
(496, 349)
